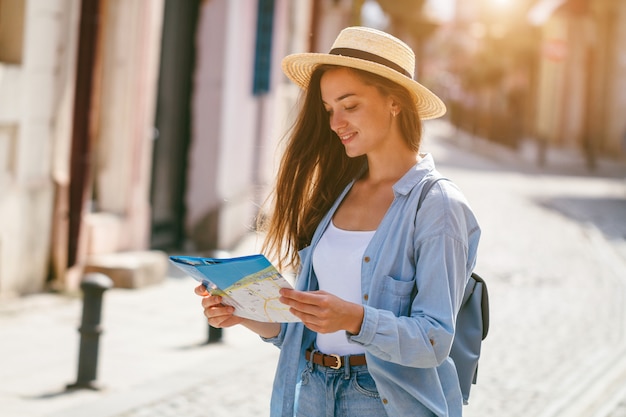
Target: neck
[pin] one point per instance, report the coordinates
(390, 167)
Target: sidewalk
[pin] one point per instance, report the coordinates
(561, 161)
(153, 346)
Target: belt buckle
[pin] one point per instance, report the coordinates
(334, 355)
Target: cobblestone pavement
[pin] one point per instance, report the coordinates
(553, 252)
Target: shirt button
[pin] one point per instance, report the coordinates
(366, 297)
(385, 401)
(366, 259)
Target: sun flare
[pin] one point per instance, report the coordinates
(501, 3)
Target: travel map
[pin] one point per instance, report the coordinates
(249, 283)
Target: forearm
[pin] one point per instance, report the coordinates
(265, 330)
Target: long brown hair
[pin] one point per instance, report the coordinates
(315, 169)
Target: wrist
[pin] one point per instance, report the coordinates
(357, 322)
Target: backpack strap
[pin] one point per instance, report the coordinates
(430, 183)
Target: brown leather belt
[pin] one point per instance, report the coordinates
(334, 361)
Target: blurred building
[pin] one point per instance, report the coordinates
(546, 70)
(77, 103)
(581, 98)
(132, 125)
(490, 59)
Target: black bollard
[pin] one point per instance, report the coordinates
(215, 333)
(93, 285)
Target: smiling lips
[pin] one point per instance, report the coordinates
(347, 137)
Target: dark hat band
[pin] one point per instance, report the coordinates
(367, 56)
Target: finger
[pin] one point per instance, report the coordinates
(201, 290)
(218, 312)
(222, 322)
(222, 317)
(302, 310)
(211, 300)
(304, 297)
(308, 303)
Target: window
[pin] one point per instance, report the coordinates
(11, 30)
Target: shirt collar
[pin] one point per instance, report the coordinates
(413, 177)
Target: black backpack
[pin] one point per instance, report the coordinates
(472, 322)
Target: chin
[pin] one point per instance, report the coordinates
(353, 154)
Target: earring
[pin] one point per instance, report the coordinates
(393, 113)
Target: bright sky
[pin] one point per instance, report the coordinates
(440, 9)
(500, 2)
(443, 9)
(542, 10)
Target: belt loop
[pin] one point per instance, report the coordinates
(313, 351)
(346, 367)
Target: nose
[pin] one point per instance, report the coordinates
(337, 122)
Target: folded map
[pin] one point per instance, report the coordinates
(248, 283)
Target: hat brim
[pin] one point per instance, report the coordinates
(299, 67)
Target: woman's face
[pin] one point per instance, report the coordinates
(359, 114)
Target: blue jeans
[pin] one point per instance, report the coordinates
(348, 391)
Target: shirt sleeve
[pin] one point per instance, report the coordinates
(279, 338)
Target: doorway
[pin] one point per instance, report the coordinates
(173, 124)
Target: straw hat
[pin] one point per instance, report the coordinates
(373, 51)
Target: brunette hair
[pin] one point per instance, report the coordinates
(315, 169)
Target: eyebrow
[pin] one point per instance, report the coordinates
(341, 97)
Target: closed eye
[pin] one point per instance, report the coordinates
(347, 108)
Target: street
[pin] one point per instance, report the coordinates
(553, 253)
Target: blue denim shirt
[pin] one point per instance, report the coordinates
(406, 343)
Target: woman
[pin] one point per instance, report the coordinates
(379, 285)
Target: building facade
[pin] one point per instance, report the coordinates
(582, 78)
(130, 125)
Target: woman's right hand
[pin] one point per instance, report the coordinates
(218, 315)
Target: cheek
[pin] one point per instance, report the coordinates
(377, 124)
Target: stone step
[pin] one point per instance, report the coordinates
(135, 269)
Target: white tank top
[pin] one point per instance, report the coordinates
(337, 265)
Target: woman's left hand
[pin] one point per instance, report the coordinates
(323, 312)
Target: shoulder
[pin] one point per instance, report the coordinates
(445, 209)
